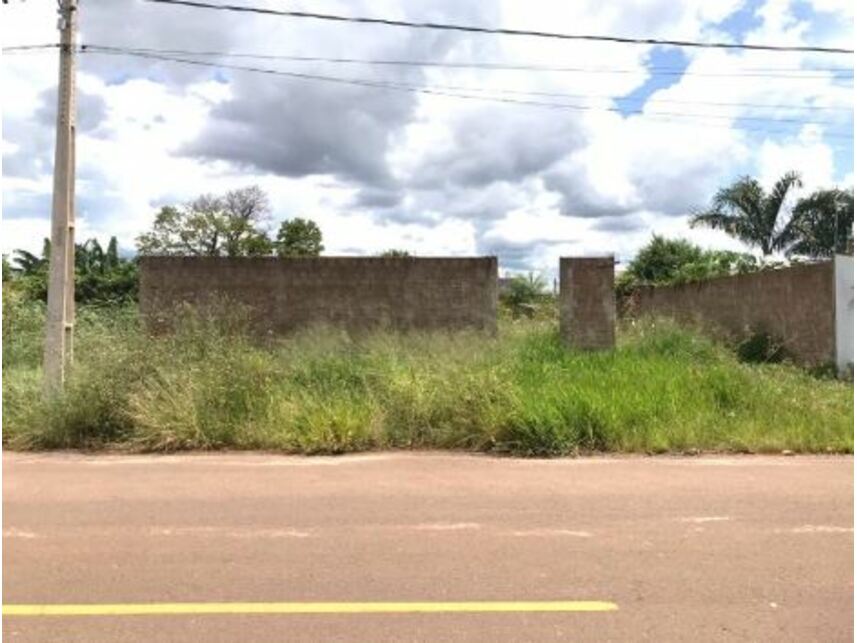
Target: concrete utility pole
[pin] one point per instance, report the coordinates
(60, 317)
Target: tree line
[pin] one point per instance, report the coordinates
(236, 224)
(817, 227)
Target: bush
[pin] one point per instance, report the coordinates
(759, 348)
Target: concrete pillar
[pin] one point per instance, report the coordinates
(587, 306)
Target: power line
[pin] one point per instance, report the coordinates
(498, 31)
(429, 91)
(654, 71)
(50, 45)
(169, 52)
(137, 50)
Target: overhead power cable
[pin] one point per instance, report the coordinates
(654, 71)
(498, 31)
(395, 86)
(170, 52)
(13, 48)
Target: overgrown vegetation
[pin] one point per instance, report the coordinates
(209, 386)
(526, 296)
(101, 275)
(663, 262)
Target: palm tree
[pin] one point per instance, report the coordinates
(824, 223)
(744, 211)
(26, 263)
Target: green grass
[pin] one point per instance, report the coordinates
(208, 386)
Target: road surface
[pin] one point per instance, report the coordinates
(662, 549)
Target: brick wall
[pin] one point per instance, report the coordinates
(357, 293)
(795, 305)
(587, 304)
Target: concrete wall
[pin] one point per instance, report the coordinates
(587, 306)
(795, 305)
(356, 293)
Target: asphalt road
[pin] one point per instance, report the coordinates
(706, 548)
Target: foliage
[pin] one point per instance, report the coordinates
(101, 276)
(210, 386)
(660, 260)
(394, 252)
(671, 261)
(298, 238)
(7, 269)
(524, 294)
(227, 225)
(824, 224)
(743, 210)
(760, 347)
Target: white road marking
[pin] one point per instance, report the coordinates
(228, 532)
(12, 532)
(821, 529)
(552, 532)
(697, 520)
(446, 526)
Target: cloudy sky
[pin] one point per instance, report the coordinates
(643, 135)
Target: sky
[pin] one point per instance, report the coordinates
(651, 133)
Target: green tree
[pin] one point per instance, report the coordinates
(671, 261)
(298, 238)
(823, 223)
(100, 276)
(7, 269)
(395, 252)
(660, 260)
(745, 211)
(228, 225)
(26, 263)
(524, 293)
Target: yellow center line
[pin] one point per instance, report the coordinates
(162, 609)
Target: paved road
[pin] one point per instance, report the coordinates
(696, 548)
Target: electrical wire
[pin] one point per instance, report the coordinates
(14, 48)
(395, 86)
(654, 71)
(170, 52)
(497, 31)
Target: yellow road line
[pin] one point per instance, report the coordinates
(163, 609)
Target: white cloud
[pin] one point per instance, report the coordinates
(431, 174)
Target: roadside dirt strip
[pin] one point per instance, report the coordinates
(426, 547)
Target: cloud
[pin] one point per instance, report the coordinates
(91, 110)
(428, 173)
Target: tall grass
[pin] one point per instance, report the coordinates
(209, 386)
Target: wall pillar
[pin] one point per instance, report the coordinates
(587, 304)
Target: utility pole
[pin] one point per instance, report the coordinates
(59, 332)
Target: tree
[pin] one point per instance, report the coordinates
(26, 263)
(744, 211)
(524, 293)
(299, 238)
(7, 269)
(395, 252)
(228, 225)
(103, 276)
(660, 260)
(100, 276)
(671, 261)
(823, 223)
